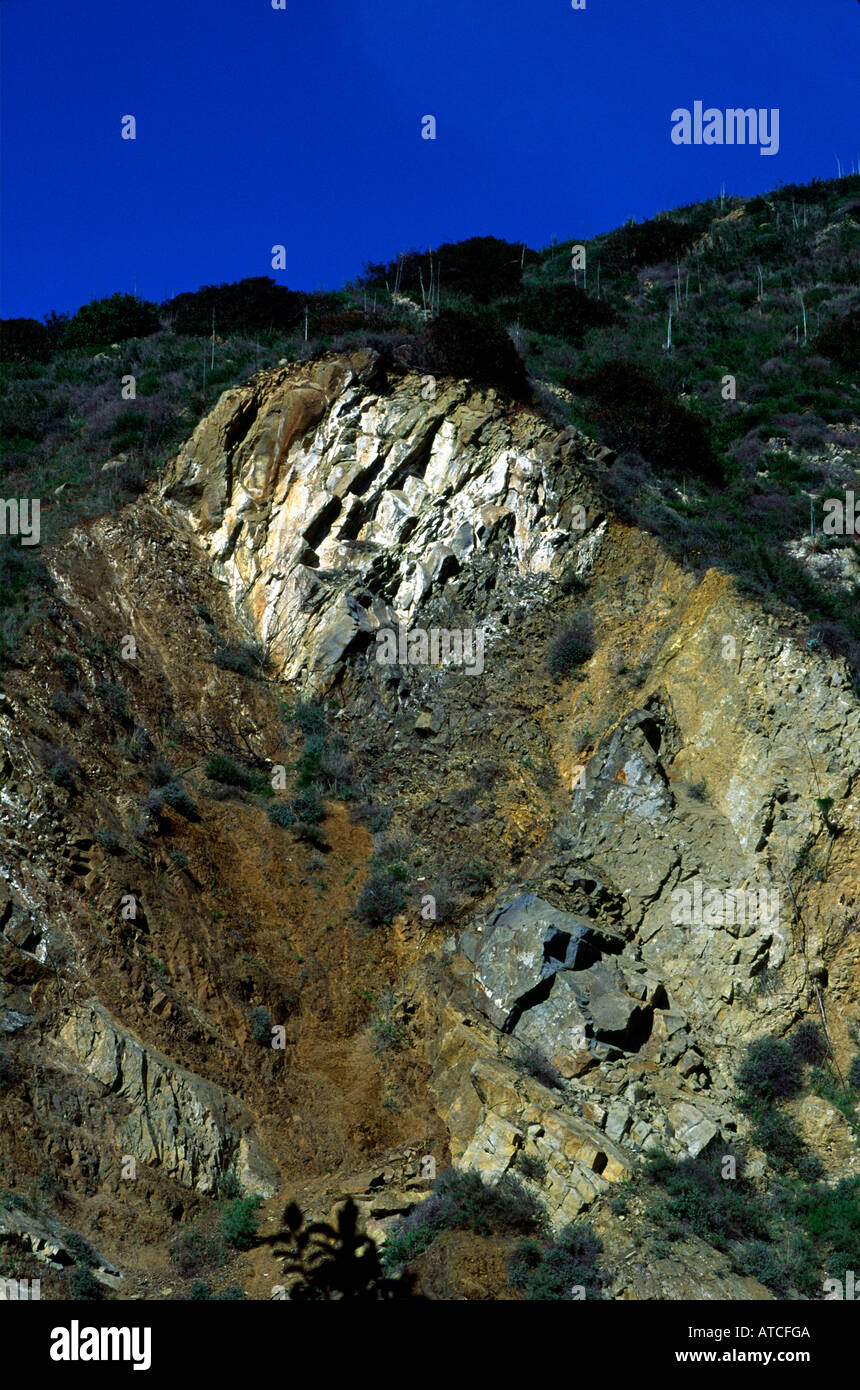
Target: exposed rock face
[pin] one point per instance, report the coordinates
(335, 504)
(649, 865)
(333, 510)
(194, 1130)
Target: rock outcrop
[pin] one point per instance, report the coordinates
(633, 870)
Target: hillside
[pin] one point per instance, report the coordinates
(517, 951)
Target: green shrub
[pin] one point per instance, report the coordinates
(105, 321)
(570, 649)
(308, 807)
(62, 767)
(400, 1248)
(525, 1258)
(310, 718)
(281, 814)
(239, 1222)
(562, 309)
(261, 1026)
(380, 898)
(769, 1071)
(63, 704)
(840, 340)
(698, 1198)
(160, 772)
(24, 340)
(565, 1266)
(633, 412)
(80, 1250)
(313, 834)
(250, 306)
(221, 768)
(175, 795)
(83, 1287)
(809, 1044)
(778, 1136)
(502, 1207)
(309, 764)
(200, 1290)
(462, 344)
(854, 1072)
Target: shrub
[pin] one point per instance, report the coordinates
(403, 1246)
(634, 413)
(771, 1264)
(563, 310)
(778, 1136)
(462, 344)
(650, 242)
(840, 340)
(281, 814)
(310, 762)
(313, 834)
(83, 1287)
(502, 1207)
(564, 1267)
(380, 898)
(239, 1222)
(809, 1044)
(24, 340)
(110, 320)
(109, 840)
(337, 769)
(175, 795)
(114, 698)
(61, 767)
(854, 1072)
(310, 718)
(221, 768)
(261, 1026)
(769, 1071)
(160, 772)
(525, 1258)
(179, 858)
(63, 704)
(484, 268)
(192, 1252)
(570, 649)
(308, 806)
(80, 1250)
(202, 1291)
(253, 305)
(376, 818)
(698, 1198)
(531, 1167)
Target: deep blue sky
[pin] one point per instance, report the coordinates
(257, 126)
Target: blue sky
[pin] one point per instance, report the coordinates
(302, 126)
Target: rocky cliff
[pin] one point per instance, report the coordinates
(616, 871)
